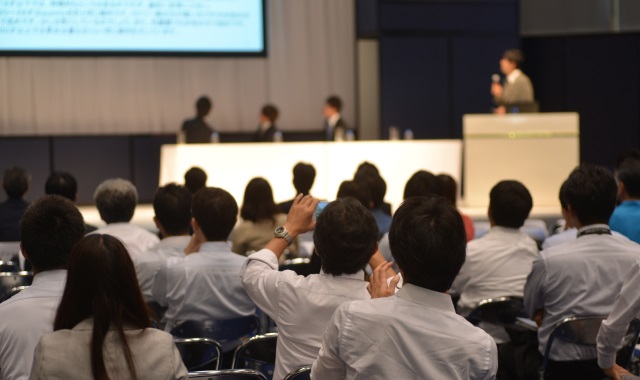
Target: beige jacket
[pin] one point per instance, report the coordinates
(65, 355)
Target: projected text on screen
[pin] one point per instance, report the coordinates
(172, 26)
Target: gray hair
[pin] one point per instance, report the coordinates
(116, 200)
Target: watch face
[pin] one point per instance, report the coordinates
(279, 230)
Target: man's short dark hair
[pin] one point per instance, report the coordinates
(270, 112)
(303, 177)
(63, 184)
(632, 153)
(49, 229)
(172, 206)
(116, 200)
(428, 242)
(514, 55)
(16, 182)
(345, 237)
(591, 194)
(334, 102)
(357, 190)
(510, 204)
(203, 106)
(629, 175)
(421, 184)
(216, 212)
(195, 179)
(376, 185)
(563, 195)
(449, 187)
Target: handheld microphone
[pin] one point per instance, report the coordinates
(495, 78)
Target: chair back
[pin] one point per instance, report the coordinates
(227, 374)
(302, 373)
(625, 354)
(229, 332)
(12, 293)
(575, 330)
(500, 311)
(9, 266)
(199, 354)
(9, 249)
(10, 280)
(257, 353)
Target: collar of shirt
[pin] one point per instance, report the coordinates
(503, 230)
(87, 324)
(359, 275)
(513, 76)
(333, 120)
(630, 203)
(426, 297)
(264, 126)
(215, 247)
(175, 241)
(592, 227)
(48, 276)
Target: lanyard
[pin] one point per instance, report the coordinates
(595, 231)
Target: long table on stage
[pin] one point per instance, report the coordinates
(231, 166)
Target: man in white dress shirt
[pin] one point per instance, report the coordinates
(172, 206)
(206, 284)
(498, 263)
(116, 200)
(345, 238)
(414, 333)
(50, 228)
(582, 277)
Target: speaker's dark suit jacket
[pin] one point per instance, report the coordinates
(341, 126)
(265, 136)
(197, 131)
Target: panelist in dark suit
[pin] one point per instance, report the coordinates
(16, 184)
(196, 130)
(334, 125)
(267, 128)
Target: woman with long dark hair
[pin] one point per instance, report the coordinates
(102, 328)
(260, 217)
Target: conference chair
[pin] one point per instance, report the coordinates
(499, 311)
(300, 265)
(229, 332)
(302, 373)
(258, 353)
(12, 292)
(624, 355)
(576, 330)
(199, 354)
(10, 280)
(9, 266)
(227, 374)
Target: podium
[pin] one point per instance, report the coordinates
(538, 149)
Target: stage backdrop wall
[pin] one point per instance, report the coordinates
(310, 55)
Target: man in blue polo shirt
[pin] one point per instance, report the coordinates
(626, 217)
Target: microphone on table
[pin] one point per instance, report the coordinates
(495, 78)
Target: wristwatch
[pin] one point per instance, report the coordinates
(282, 232)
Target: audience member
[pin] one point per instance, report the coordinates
(450, 191)
(370, 169)
(195, 179)
(498, 263)
(267, 127)
(578, 278)
(626, 217)
(50, 228)
(303, 177)
(414, 333)
(421, 184)
(378, 188)
(102, 327)
(334, 125)
(206, 283)
(568, 232)
(357, 190)
(116, 200)
(65, 185)
(345, 239)
(15, 183)
(260, 216)
(612, 331)
(196, 130)
(172, 206)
